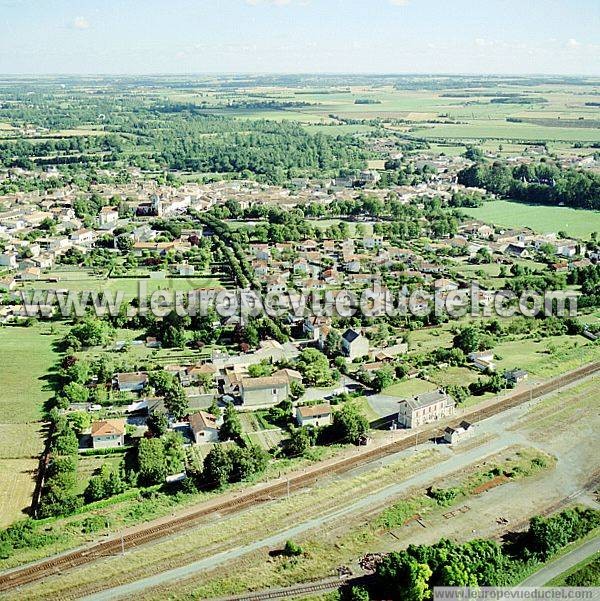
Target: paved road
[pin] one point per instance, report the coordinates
(562, 564)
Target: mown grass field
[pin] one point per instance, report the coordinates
(541, 219)
(27, 356)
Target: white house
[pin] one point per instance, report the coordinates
(374, 241)
(108, 434)
(131, 382)
(9, 259)
(108, 216)
(315, 415)
(204, 427)
(463, 431)
(84, 237)
(264, 392)
(484, 360)
(354, 344)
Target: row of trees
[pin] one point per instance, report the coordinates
(540, 183)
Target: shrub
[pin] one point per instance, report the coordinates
(291, 549)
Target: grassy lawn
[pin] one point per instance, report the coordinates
(425, 341)
(408, 388)
(17, 482)
(578, 223)
(363, 404)
(129, 287)
(325, 223)
(454, 376)
(27, 356)
(548, 357)
(88, 466)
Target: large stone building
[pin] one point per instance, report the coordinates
(425, 408)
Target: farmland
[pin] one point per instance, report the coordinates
(555, 113)
(129, 287)
(541, 219)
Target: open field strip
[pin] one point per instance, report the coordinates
(27, 356)
(129, 287)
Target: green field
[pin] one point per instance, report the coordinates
(501, 129)
(553, 112)
(542, 219)
(27, 356)
(409, 388)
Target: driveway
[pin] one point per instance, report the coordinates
(385, 406)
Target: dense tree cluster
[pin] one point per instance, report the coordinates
(540, 183)
(411, 575)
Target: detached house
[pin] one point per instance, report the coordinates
(84, 237)
(131, 382)
(108, 216)
(204, 427)
(425, 408)
(354, 345)
(108, 434)
(315, 415)
(264, 392)
(484, 360)
(9, 259)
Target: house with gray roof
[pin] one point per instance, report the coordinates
(264, 392)
(425, 408)
(354, 345)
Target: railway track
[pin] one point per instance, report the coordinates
(58, 565)
(290, 593)
(328, 585)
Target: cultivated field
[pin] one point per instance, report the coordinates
(498, 113)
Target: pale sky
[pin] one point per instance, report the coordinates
(299, 36)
